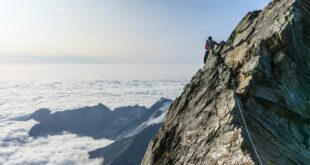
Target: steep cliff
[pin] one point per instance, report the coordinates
(267, 57)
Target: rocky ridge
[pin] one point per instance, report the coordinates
(267, 56)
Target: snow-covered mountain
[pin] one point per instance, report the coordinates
(154, 115)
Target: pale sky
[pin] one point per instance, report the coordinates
(115, 31)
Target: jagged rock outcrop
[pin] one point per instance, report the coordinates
(267, 56)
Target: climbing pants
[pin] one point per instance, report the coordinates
(206, 57)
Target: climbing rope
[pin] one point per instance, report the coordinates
(245, 125)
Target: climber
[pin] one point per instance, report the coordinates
(210, 45)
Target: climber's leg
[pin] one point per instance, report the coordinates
(206, 57)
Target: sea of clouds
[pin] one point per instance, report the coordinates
(17, 148)
(25, 89)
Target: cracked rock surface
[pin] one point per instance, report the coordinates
(268, 58)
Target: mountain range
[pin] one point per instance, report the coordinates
(131, 128)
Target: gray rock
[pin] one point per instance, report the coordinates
(267, 56)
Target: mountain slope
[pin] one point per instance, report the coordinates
(133, 139)
(267, 57)
(154, 115)
(128, 150)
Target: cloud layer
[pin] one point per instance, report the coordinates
(17, 148)
(25, 89)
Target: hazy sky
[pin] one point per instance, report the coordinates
(115, 31)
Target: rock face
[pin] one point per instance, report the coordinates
(267, 57)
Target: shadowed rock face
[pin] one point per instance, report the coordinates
(267, 56)
(129, 150)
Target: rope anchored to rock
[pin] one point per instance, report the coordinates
(245, 125)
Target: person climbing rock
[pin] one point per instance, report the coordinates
(210, 45)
